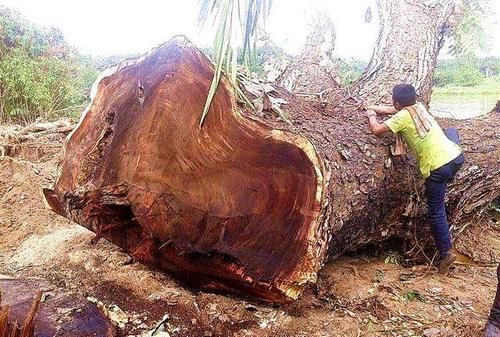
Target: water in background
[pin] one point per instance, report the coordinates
(462, 106)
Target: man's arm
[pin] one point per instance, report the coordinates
(376, 127)
(382, 110)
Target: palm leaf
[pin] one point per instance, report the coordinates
(223, 38)
(237, 25)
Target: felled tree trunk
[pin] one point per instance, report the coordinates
(410, 38)
(244, 205)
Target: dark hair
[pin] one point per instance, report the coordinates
(404, 94)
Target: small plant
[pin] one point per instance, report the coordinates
(413, 295)
(494, 211)
(393, 258)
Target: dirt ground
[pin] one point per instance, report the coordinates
(359, 295)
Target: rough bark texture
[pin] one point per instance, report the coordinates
(497, 107)
(316, 61)
(411, 35)
(245, 205)
(495, 309)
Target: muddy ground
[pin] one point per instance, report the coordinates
(360, 295)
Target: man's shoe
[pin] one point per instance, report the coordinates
(444, 263)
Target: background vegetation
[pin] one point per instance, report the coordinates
(469, 75)
(41, 75)
(461, 74)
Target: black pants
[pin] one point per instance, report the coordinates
(495, 310)
(435, 190)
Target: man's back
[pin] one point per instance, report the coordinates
(433, 150)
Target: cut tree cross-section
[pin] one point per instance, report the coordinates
(234, 205)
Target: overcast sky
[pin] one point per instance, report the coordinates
(105, 27)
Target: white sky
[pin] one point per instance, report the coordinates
(105, 27)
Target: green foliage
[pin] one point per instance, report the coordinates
(393, 258)
(105, 62)
(489, 90)
(490, 66)
(236, 23)
(466, 72)
(266, 51)
(413, 295)
(494, 211)
(465, 76)
(350, 70)
(468, 77)
(40, 74)
(469, 33)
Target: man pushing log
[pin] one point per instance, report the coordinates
(438, 156)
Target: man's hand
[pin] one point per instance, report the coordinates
(369, 113)
(376, 127)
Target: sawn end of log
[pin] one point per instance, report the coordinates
(235, 206)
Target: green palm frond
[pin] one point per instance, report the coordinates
(236, 23)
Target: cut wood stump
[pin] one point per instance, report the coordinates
(31, 307)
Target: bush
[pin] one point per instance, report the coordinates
(444, 77)
(464, 73)
(350, 70)
(468, 77)
(40, 74)
(490, 66)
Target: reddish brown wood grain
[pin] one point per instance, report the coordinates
(234, 205)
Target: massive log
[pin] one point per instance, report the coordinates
(248, 205)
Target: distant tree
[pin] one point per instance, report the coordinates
(465, 71)
(467, 27)
(490, 66)
(350, 70)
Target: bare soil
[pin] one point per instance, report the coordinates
(360, 295)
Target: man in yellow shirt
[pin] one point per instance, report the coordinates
(438, 158)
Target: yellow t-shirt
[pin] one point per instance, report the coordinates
(432, 151)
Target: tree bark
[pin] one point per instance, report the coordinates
(314, 72)
(497, 107)
(248, 205)
(410, 38)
